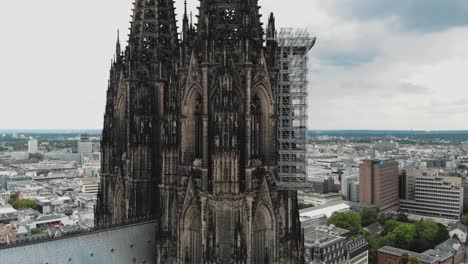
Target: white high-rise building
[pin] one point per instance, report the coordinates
(436, 196)
(33, 145)
(350, 185)
(85, 147)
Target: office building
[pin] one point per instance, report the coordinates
(435, 196)
(85, 148)
(378, 183)
(89, 185)
(33, 146)
(316, 199)
(322, 185)
(436, 164)
(350, 187)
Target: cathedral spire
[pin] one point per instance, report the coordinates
(271, 30)
(185, 23)
(234, 24)
(153, 36)
(118, 49)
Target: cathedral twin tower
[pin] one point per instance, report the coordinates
(190, 136)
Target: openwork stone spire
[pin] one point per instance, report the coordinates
(153, 36)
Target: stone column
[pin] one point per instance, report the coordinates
(205, 184)
(248, 117)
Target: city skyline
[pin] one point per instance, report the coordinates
(376, 65)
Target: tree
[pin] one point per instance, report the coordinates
(413, 260)
(465, 208)
(441, 235)
(390, 225)
(428, 235)
(426, 230)
(373, 247)
(22, 203)
(465, 219)
(402, 236)
(36, 156)
(369, 216)
(350, 221)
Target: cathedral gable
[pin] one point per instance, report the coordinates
(191, 198)
(263, 198)
(193, 76)
(262, 75)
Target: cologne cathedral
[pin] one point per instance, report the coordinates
(190, 136)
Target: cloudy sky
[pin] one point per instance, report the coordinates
(378, 64)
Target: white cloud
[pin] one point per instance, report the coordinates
(367, 71)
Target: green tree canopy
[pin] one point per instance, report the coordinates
(426, 230)
(464, 220)
(442, 234)
(404, 236)
(369, 216)
(22, 204)
(390, 225)
(349, 220)
(417, 237)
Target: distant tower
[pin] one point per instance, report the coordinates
(85, 147)
(190, 135)
(33, 146)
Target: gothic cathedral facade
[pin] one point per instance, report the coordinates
(190, 138)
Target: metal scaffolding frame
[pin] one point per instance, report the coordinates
(291, 96)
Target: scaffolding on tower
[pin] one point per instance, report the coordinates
(291, 96)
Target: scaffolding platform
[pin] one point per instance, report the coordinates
(291, 95)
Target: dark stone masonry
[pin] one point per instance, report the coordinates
(190, 136)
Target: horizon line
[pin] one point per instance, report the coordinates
(3, 130)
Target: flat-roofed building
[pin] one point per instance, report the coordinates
(327, 244)
(391, 255)
(8, 214)
(325, 210)
(324, 243)
(89, 185)
(378, 184)
(316, 199)
(438, 196)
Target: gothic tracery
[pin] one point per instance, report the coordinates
(189, 137)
